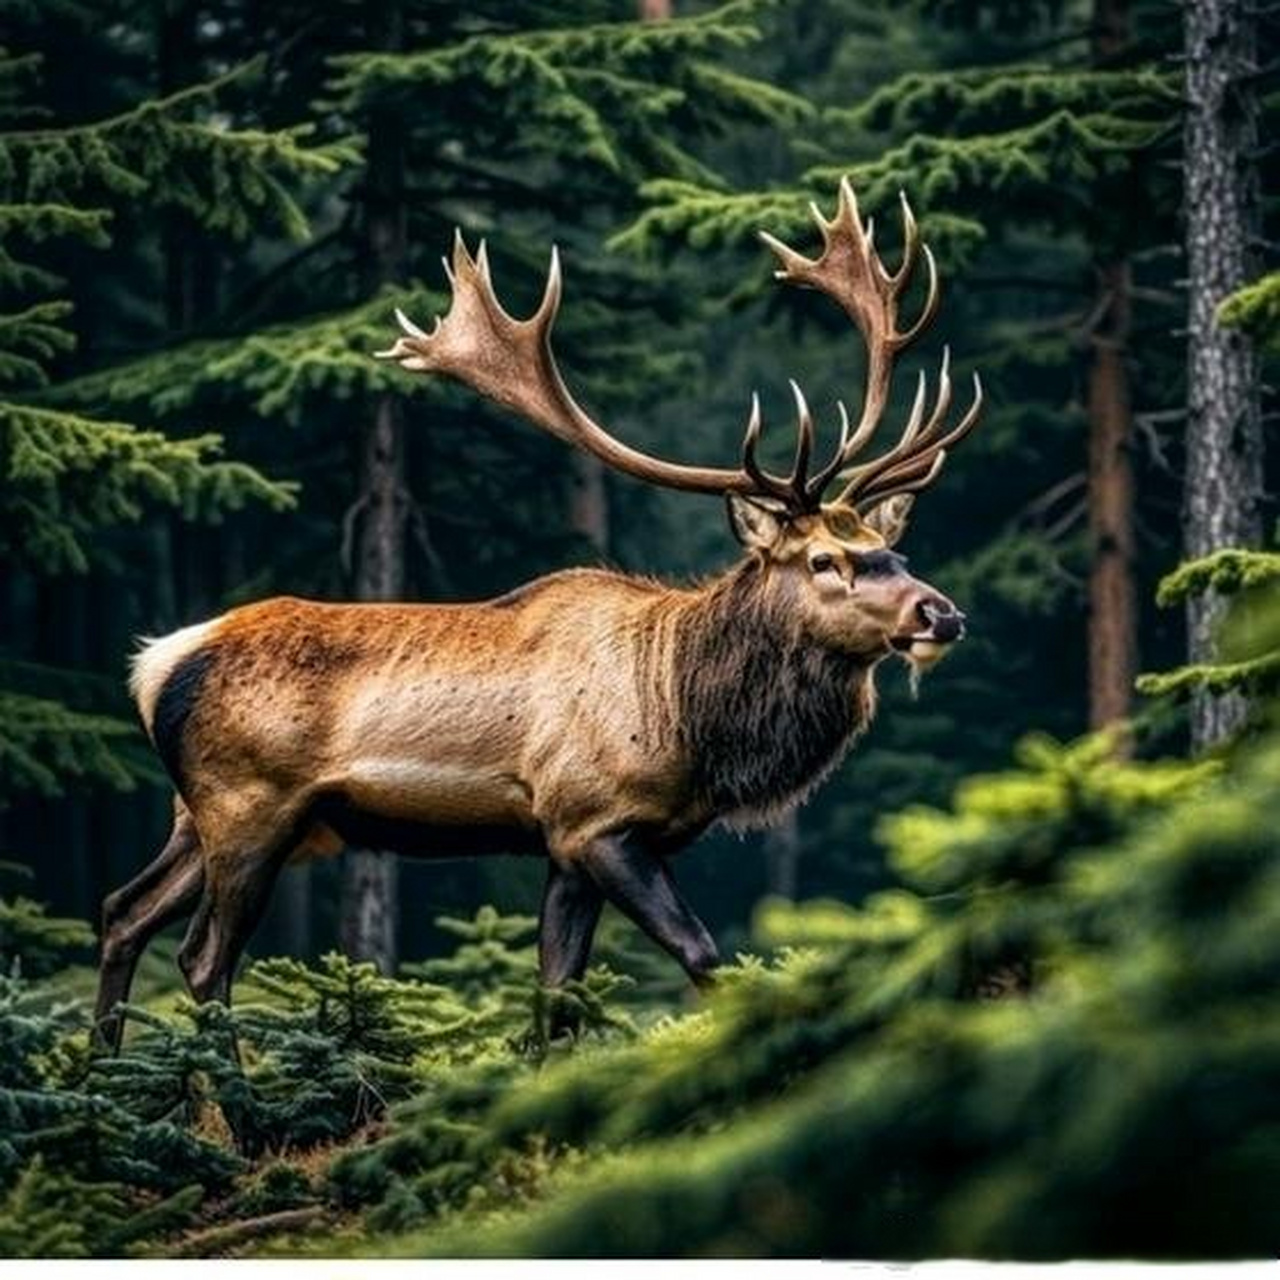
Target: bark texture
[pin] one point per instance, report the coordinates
(1113, 627)
(1223, 488)
(1112, 600)
(370, 898)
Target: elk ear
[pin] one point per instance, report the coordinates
(756, 522)
(889, 518)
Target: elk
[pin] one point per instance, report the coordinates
(598, 720)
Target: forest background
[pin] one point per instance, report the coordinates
(210, 210)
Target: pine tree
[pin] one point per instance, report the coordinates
(68, 475)
(1224, 479)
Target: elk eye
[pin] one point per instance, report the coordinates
(822, 563)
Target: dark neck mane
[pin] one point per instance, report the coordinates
(764, 713)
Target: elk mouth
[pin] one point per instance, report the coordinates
(926, 647)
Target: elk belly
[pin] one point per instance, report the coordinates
(442, 793)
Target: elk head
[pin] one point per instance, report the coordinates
(832, 559)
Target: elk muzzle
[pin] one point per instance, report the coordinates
(933, 625)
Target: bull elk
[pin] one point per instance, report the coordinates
(599, 720)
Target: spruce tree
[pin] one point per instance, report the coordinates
(71, 474)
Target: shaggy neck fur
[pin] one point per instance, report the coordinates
(764, 712)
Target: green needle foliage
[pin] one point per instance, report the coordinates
(44, 743)
(1054, 1040)
(1033, 1014)
(1249, 644)
(1256, 310)
(323, 1052)
(67, 477)
(35, 944)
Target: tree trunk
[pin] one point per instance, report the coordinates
(370, 899)
(370, 906)
(1112, 600)
(589, 500)
(589, 495)
(1223, 486)
(1112, 638)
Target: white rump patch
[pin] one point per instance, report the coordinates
(156, 657)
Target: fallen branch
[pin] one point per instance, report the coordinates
(216, 1239)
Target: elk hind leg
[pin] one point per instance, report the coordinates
(165, 891)
(237, 886)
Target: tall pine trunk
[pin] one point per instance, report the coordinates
(589, 500)
(1112, 636)
(1223, 485)
(589, 495)
(370, 897)
(1112, 599)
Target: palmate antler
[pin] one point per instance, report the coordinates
(511, 361)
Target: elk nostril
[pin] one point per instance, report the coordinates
(944, 621)
(928, 610)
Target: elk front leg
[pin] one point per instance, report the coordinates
(571, 906)
(637, 882)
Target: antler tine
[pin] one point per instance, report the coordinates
(817, 486)
(895, 479)
(750, 439)
(549, 307)
(408, 326)
(804, 444)
(932, 298)
(852, 273)
(925, 477)
(920, 442)
(511, 361)
(855, 477)
(790, 489)
(799, 491)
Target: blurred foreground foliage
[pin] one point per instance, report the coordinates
(1055, 1036)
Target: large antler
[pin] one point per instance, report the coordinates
(511, 361)
(850, 271)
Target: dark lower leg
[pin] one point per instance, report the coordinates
(132, 917)
(234, 900)
(638, 883)
(182, 837)
(571, 908)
